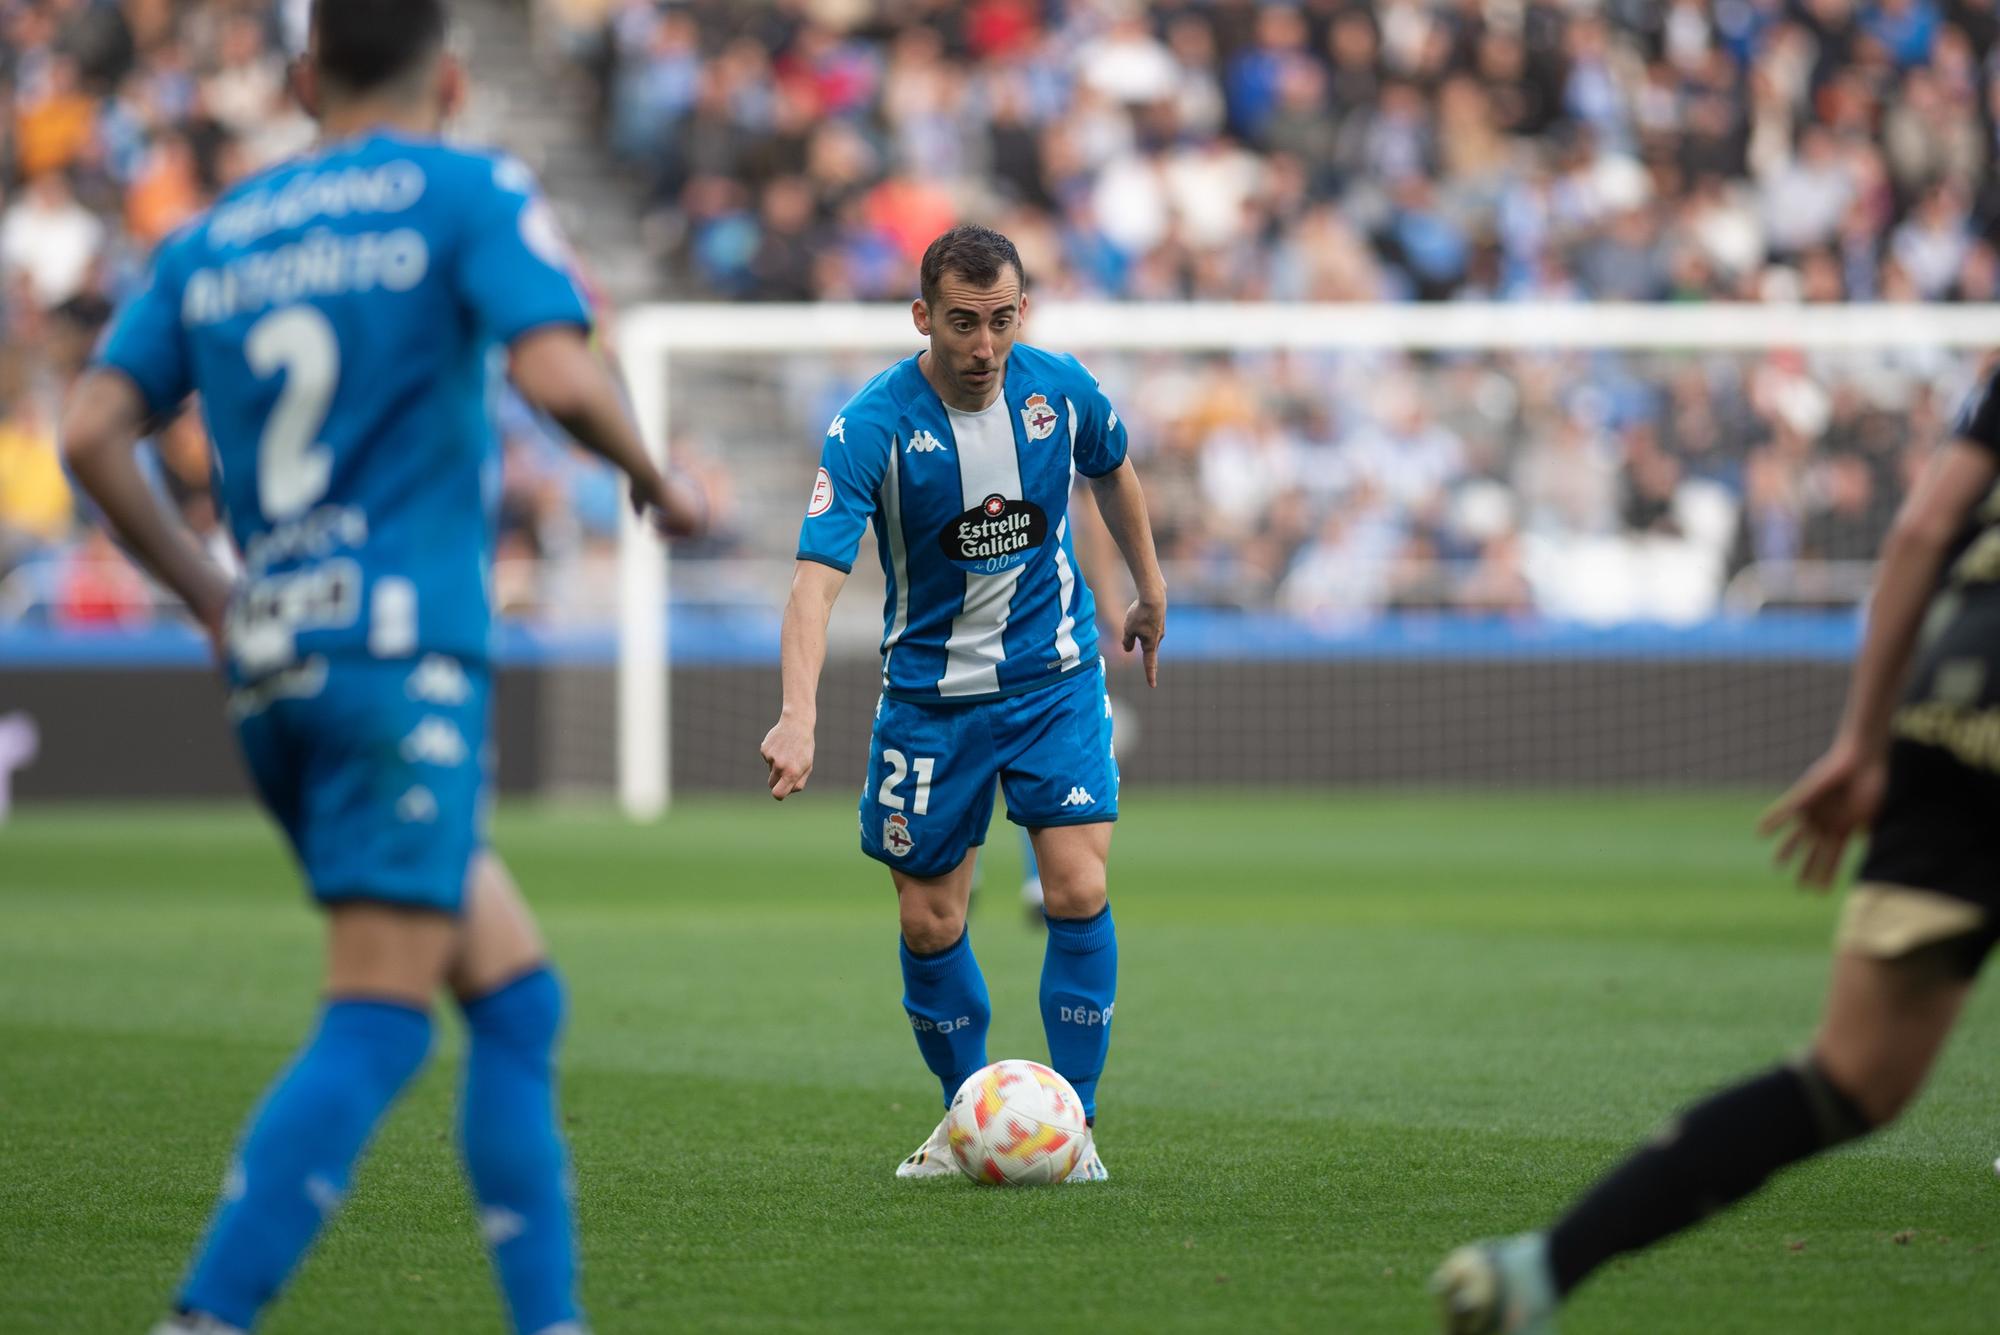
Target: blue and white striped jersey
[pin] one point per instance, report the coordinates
(971, 516)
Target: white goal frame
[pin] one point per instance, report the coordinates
(649, 338)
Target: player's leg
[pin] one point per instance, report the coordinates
(1079, 986)
(1060, 774)
(925, 807)
(377, 783)
(292, 1168)
(944, 993)
(1886, 1020)
(508, 1129)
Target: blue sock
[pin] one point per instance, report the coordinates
(513, 1151)
(945, 997)
(292, 1168)
(1079, 985)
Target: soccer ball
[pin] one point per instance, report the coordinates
(1017, 1124)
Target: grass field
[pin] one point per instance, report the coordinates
(1352, 1031)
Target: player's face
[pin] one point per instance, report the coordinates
(972, 331)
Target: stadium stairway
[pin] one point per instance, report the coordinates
(530, 102)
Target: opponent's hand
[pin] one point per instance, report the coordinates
(788, 750)
(1146, 626)
(1838, 796)
(673, 503)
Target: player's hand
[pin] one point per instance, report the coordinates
(788, 750)
(1146, 626)
(1838, 796)
(673, 503)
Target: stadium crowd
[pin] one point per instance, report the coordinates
(1686, 150)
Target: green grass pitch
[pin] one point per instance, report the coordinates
(1352, 1031)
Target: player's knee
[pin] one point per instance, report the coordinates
(523, 1017)
(1074, 892)
(931, 928)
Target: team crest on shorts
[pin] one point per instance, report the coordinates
(1038, 417)
(896, 836)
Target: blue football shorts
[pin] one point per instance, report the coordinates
(933, 768)
(377, 770)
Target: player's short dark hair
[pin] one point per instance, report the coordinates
(363, 45)
(976, 254)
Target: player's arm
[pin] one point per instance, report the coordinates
(557, 371)
(101, 427)
(1841, 792)
(788, 747)
(1122, 502)
(853, 460)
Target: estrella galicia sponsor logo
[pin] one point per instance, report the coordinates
(995, 535)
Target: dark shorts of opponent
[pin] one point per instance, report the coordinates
(1930, 884)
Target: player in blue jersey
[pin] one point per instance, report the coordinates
(964, 456)
(338, 316)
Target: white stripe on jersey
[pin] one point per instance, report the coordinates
(987, 466)
(1066, 649)
(899, 553)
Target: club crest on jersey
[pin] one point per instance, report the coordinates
(1038, 417)
(995, 535)
(822, 497)
(896, 836)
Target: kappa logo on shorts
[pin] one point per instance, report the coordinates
(439, 680)
(419, 806)
(435, 741)
(896, 836)
(1038, 417)
(1078, 797)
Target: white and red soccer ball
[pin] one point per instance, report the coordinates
(1017, 1124)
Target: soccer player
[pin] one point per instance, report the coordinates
(337, 316)
(1918, 925)
(965, 455)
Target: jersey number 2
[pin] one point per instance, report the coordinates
(898, 768)
(293, 468)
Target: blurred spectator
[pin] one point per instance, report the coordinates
(1618, 150)
(49, 243)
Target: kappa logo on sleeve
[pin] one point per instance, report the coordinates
(822, 497)
(838, 431)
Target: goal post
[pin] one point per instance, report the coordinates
(657, 341)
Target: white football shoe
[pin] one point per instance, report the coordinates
(933, 1158)
(1090, 1168)
(194, 1324)
(1500, 1287)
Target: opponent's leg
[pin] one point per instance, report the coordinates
(1080, 965)
(1886, 1020)
(293, 1165)
(508, 1130)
